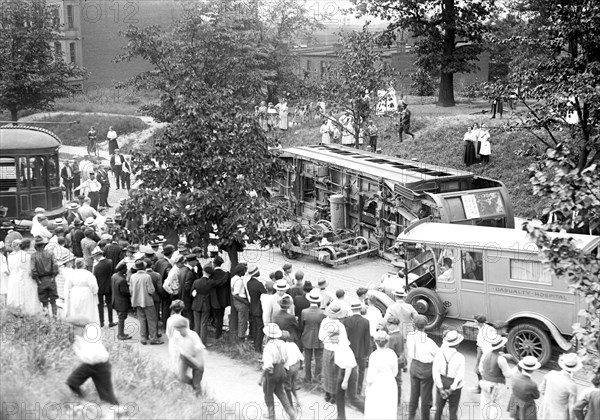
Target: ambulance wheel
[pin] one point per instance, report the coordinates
(526, 339)
(427, 303)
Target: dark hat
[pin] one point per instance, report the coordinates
(218, 260)
(208, 269)
(322, 283)
(77, 222)
(140, 265)
(191, 257)
(130, 248)
(307, 286)
(168, 249)
(88, 231)
(278, 275)
(285, 302)
(287, 266)
(39, 241)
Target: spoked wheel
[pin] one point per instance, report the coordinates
(427, 303)
(361, 243)
(529, 340)
(327, 224)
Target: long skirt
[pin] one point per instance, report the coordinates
(112, 146)
(470, 155)
(330, 372)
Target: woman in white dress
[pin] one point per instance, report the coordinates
(282, 107)
(381, 394)
(325, 131)
(81, 295)
(65, 269)
(22, 289)
(347, 123)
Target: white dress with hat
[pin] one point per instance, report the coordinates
(381, 393)
(22, 289)
(81, 296)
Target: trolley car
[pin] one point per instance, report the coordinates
(29, 171)
(378, 196)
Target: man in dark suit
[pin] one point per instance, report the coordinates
(76, 237)
(103, 271)
(310, 322)
(66, 173)
(220, 294)
(359, 334)
(163, 267)
(116, 164)
(157, 289)
(300, 301)
(201, 291)
(186, 281)
(286, 321)
(102, 177)
(521, 404)
(112, 251)
(255, 289)
(121, 300)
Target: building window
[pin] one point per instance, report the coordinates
(323, 67)
(309, 65)
(55, 17)
(58, 48)
(70, 17)
(72, 55)
(8, 174)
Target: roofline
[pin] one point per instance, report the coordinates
(32, 128)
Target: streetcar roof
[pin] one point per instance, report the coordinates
(19, 137)
(491, 238)
(390, 168)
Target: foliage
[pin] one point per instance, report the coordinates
(209, 167)
(76, 134)
(351, 83)
(422, 83)
(32, 73)
(449, 33)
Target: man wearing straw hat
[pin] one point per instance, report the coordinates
(448, 375)
(559, 389)
(524, 391)
(494, 370)
(310, 322)
(271, 306)
(359, 334)
(405, 312)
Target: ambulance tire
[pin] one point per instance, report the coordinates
(527, 339)
(427, 303)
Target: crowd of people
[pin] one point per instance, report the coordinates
(83, 269)
(477, 145)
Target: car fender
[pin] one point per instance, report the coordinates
(554, 331)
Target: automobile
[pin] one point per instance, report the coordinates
(451, 272)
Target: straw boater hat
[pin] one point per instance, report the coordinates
(335, 311)
(66, 259)
(90, 221)
(314, 296)
(97, 251)
(281, 285)
(39, 210)
(356, 306)
(253, 270)
(570, 362)
(453, 338)
(73, 206)
(497, 342)
(272, 330)
(323, 283)
(400, 293)
(39, 241)
(529, 363)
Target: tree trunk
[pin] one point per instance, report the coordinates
(13, 114)
(233, 256)
(446, 96)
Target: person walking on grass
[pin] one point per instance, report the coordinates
(191, 353)
(405, 115)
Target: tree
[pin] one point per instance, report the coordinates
(422, 83)
(207, 171)
(32, 74)
(353, 81)
(449, 34)
(561, 96)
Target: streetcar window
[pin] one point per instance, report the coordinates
(53, 170)
(8, 174)
(37, 171)
(457, 211)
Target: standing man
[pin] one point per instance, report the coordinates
(372, 133)
(92, 186)
(187, 276)
(141, 299)
(522, 405)
(301, 301)
(66, 173)
(116, 164)
(44, 269)
(421, 352)
(298, 288)
(163, 267)
(325, 294)
(286, 321)
(359, 334)
(310, 322)
(87, 247)
(405, 122)
(484, 334)
(560, 389)
(448, 375)
(121, 300)
(104, 186)
(396, 343)
(405, 312)
(287, 273)
(255, 289)
(103, 270)
(494, 371)
(220, 293)
(200, 292)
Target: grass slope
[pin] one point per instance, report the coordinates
(76, 134)
(439, 141)
(37, 357)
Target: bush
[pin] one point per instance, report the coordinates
(472, 91)
(422, 83)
